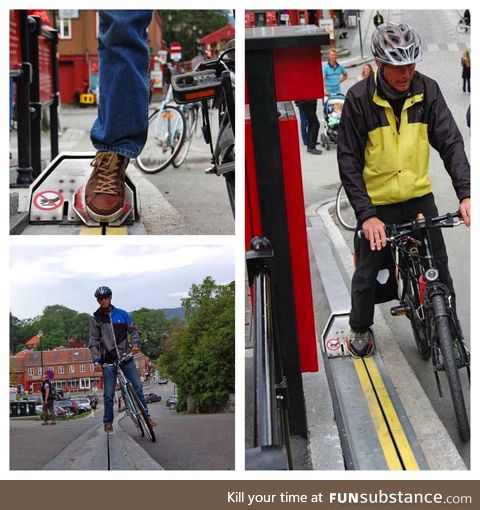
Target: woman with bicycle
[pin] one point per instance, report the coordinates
(389, 121)
(109, 330)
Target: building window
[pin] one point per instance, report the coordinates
(39, 370)
(61, 369)
(85, 383)
(50, 368)
(92, 367)
(71, 369)
(64, 27)
(82, 368)
(31, 372)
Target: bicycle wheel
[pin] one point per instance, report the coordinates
(412, 303)
(450, 365)
(131, 410)
(166, 134)
(189, 117)
(142, 415)
(345, 212)
(461, 27)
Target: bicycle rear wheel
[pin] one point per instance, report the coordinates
(166, 134)
(345, 213)
(442, 323)
(131, 410)
(142, 415)
(189, 116)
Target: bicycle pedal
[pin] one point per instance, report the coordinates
(397, 311)
(211, 170)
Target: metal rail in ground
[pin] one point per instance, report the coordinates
(374, 429)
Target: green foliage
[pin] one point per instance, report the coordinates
(154, 329)
(186, 26)
(200, 355)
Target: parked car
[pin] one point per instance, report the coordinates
(152, 397)
(69, 405)
(59, 411)
(162, 380)
(81, 409)
(171, 402)
(84, 403)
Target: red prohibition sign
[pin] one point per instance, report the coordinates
(333, 344)
(48, 200)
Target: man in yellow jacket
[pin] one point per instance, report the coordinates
(388, 123)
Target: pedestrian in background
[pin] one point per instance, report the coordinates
(366, 72)
(377, 19)
(308, 109)
(48, 399)
(334, 73)
(466, 71)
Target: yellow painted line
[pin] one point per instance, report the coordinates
(384, 437)
(116, 231)
(396, 428)
(90, 231)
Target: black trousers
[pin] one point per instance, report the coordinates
(313, 126)
(369, 263)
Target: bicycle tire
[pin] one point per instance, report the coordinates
(142, 415)
(345, 213)
(161, 146)
(189, 117)
(133, 415)
(418, 327)
(442, 323)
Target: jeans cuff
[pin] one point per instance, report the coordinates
(116, 150)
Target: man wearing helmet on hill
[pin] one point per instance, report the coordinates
(388, 123)
(109, 330)
(48, 399)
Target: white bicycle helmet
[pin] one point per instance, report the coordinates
(396, 44)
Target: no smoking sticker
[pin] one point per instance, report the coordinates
(48, 200)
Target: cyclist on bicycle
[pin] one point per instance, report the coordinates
(389, 120)
(109, 330)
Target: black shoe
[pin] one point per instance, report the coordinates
(360, 345)
(314, 151)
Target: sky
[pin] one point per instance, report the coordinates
(151, 276)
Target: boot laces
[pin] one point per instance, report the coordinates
(107, 165)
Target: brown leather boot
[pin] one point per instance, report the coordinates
(105, 189)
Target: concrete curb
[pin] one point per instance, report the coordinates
(428, 428)
(89, 452)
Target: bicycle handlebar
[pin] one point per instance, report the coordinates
(124, 358)
(395, 231)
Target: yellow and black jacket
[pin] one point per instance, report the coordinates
(381, 164)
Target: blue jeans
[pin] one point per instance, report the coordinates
(303, 124)
(124, 56)
(109, 381)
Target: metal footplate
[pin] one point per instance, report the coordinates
(335, 336)
(57, 196)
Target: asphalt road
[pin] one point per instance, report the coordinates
(33, 445)
(187, 441)
(443, 47)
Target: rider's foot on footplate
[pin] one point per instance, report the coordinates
(360, 345)
(108, 427)
(151, 422)
(105, 189)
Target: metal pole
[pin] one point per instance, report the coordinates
(360, 33)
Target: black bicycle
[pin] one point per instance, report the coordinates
(429, 306)
(214, 80)
(272, 434)
(133, 406)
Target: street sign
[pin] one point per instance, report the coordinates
(176, 51)
(48, 200)
(68, 14)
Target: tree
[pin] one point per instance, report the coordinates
(154, 328)
(186, 26)
(200, 356)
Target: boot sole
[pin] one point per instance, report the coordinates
(104, 218)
